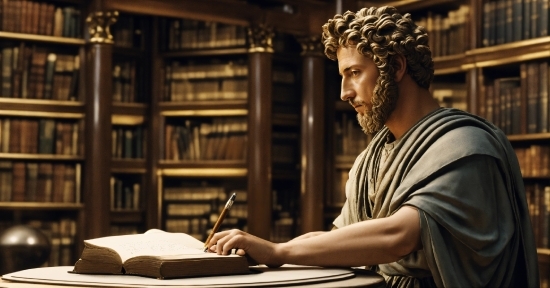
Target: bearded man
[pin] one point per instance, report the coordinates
(437, 197)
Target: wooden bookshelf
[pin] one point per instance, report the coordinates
(43, 82)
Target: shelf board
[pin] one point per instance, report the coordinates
(40, 157)
(529, 137)
(127, 108)
(130, 120)
(129, 166)
(206, 52)
(415, 5)
(40, 206)
(202, 164)
(41, 108)
(508, 53)
(213, 171)
(42, 38)
(450, 64)
(205, 108)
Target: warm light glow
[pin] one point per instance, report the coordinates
(31, 241)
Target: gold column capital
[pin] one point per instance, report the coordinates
(260, 39)
(99, 24)
(311, 46)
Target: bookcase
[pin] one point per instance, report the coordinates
(201, 105)
(42, 121)
(130, 128)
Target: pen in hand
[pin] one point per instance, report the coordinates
(220, 220)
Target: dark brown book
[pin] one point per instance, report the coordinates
(25, 16)
(6, 177)
(15, 135)
(175, 255)
(58, 182)
(18, 182)
(59, 138)
(44, 183)
(16, 20)
(50, 11)
(35, 17)
(69, 185)
(67, 138)
(5, 15)
(31, 178)
(42, 18)
(18, 68)
(29, 136)
(524, 95)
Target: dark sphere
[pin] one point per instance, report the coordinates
(22, 247)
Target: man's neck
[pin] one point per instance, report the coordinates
(410, 109)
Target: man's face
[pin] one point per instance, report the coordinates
(359, 76)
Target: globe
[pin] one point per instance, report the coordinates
(22, 247)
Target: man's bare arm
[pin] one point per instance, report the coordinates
(365, 243)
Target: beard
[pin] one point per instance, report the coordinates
(383, 104)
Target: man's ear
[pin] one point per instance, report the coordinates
(400, 67)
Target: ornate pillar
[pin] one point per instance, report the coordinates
(312, 136)
(259, 131)
(97, 170)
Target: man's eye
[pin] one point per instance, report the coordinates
(354, 72)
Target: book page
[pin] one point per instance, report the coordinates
(152, 243)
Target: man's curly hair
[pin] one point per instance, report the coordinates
(381, 33)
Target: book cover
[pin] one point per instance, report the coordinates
(157, 254)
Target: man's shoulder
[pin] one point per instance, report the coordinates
(467, 140)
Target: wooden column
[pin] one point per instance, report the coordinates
(312, 135)
(259, 132)
(97, 171)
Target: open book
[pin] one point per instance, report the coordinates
(157, 254)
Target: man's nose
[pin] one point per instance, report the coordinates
(346, 93)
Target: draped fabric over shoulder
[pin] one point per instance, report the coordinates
(462, 175)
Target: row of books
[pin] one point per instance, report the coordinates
(214, 81)
(127, 142)
(41, 18)
(124, 82)
(221, 139)
(196, 227)
(40, 182)
(61, 235)
(538, 201)
(506, 21)
(194, 193)
(194, 209)
(194, 34)
(534, 160)
(41, 136)
(125, 194)
(444, 30)
(34, 72)
(519, 105)
(350, 140)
